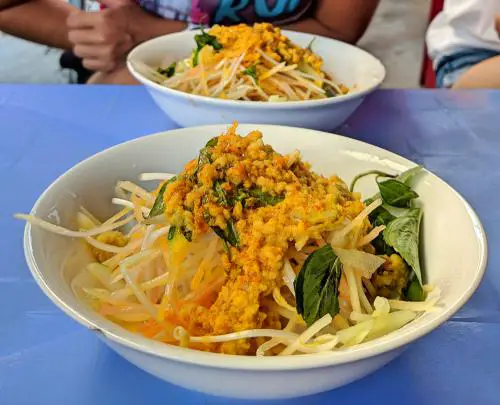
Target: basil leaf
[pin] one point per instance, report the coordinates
(316, 285)
(403, 235)
(414, 291)
(212, 142)
(159, 204)
(205, 156)
(229, 235)
(196, 55)
(309, 47)
(395, 193)
(263, 198)
(407, 176)
(171, 233)
(368, 173)
(220, 194)
(329, 91)
(169, 71)
(232, 234)
(202, 40)
(251, 71)
(240, 196)
(188, 235)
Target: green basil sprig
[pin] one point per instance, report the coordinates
(402, 222)
(159, 204)
(316, 285)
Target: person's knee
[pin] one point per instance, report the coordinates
(484, 75)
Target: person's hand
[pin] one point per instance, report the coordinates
(102, 38)
(497, 23)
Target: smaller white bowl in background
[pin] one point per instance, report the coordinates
(348, 64)
(453, 244)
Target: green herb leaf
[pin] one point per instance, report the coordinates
(205, 156)
(220, 194)
(329, 91)
(403, 235)
(407, 176)
(309, 47)
(251, 71)
(212, 142)
(396, 193)
(196, 55)
(232, 234)
(159, 204)
(263, 198)
(368, 173)
(202, 40)
(171, 233)
(414, 291)
(316, 285)
(169, 71)
(240, 196)
(229, 235)
(227, 249)
(184, 231)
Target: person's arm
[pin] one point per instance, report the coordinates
(42, 21)
(339, 19)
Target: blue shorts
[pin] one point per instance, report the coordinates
(450, 67)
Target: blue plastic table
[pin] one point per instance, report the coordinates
(46, 358)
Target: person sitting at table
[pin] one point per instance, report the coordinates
(464, 43)
(102, 39)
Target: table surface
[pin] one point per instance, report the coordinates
(47, 358)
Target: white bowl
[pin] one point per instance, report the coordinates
(454, 247)
(350, 65)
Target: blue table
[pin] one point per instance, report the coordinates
(46, 358)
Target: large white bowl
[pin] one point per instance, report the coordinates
(349, 65)
(454, 254)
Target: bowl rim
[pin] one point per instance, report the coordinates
(256, 104)
(367, 350)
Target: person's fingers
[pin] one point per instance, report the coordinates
(85, 36)
(97, 65)
(88, 51)
(82, 19)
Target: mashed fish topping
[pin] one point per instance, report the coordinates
(249, 63)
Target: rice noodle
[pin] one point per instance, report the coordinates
(337, 237)
(365, 303)
(369, 237)
(135, 260)
(288, 276)
(353, 289)
(280, 300)
(153, 236)
(105, 246)
(135, 189)
(179, 332)
(87, 213)
(307, 334)
(68, 232)
(155, 176)
(158, 281)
